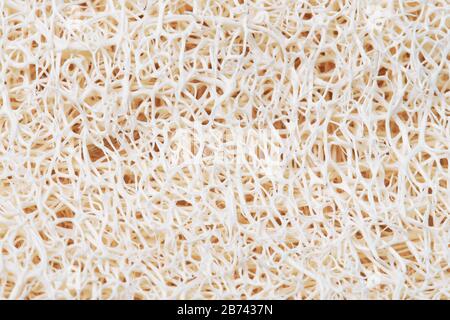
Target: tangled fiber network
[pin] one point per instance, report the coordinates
(230, 149)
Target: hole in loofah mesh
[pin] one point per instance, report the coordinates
(95, 153)
(183, 203)
(30, 209)
(19, 242)
(65, 214)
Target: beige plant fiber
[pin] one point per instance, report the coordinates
(229, 149)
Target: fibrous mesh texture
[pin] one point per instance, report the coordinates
(224, 149)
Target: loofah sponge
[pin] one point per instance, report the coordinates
(230, 149)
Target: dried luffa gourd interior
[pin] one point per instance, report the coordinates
(224, 149)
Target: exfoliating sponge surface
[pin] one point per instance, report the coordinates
(229, 149)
